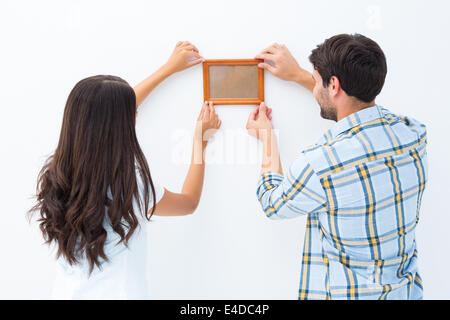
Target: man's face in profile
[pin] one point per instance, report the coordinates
(322, 95)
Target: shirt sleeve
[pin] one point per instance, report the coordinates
(159, 190)
(298, 193)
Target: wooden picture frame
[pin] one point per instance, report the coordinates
(243, 83)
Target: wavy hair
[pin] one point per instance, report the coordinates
(93, 172)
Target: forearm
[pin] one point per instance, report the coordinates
(271, 156)
(180, 204)
(146, 86)
(193, 183)
(305, 79)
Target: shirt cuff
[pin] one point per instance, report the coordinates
(268, 180)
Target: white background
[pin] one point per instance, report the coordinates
(227, 249)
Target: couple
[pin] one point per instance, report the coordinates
(360, 185)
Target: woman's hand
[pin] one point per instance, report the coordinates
(180, 204)
(184, 55)
(207, 123)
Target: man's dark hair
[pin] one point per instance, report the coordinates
(357, 61)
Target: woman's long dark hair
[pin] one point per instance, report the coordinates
(97, 151)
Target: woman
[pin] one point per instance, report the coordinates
(95, 192)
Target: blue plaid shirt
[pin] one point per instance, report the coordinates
(360, 186)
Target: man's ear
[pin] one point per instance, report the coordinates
(334, 86)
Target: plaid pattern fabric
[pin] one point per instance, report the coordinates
(360, 186)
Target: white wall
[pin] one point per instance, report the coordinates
(227, 249)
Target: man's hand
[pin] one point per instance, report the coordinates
(259, 121)
(260, 126)
(184, 55)
(285, 66)
(280, 62)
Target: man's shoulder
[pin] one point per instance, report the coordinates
(365, 142)
(404, 122)
(317, 156)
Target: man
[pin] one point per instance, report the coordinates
(360, 185)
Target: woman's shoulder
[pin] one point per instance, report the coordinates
(159, 189)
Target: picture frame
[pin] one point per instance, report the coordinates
(233, 81)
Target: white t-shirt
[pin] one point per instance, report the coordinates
(123, 277)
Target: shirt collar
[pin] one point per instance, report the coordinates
(356, 118)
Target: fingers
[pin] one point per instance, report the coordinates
(195, 61)
(265, 56)
(275, 45)
(190, 47)
(185, 55)
(212, 111)
(253, 114)
(208, 111)
(251, 118)
(268, 113)
(264, 65)
(187, 45)
(268, 52)
(183, 43)
(272, 49)
(202, 111)
(263, 108)
(206, 114)
(193, 56)
(209, 116)
(214, 117)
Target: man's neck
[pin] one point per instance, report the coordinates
(348, 108)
